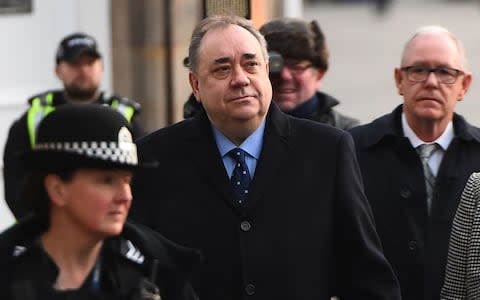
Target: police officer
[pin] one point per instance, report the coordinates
(78, 190)
(79, 66)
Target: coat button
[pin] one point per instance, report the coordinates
(412, 245)
(250, 289)
(245, 226)
(405, 193)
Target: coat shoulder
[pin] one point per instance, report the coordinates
(169, 134)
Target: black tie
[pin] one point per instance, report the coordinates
(240, 177)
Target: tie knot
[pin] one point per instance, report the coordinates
(237, 154)
(426, 150)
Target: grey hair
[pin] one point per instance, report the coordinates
(220, 21)
(438, 30)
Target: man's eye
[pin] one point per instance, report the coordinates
(252, 66)
(444, 71)
(418, 70)
(221, 72)
(223, 69)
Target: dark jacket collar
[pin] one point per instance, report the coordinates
(325, 101)
(390, 126)
(147, 242)
(21, 237)
(320, 103)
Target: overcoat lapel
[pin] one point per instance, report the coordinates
(273, 155)
(203, 152)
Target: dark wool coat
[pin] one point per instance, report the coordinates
(416, 245)
(306, 231)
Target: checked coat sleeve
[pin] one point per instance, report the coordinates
(462, 277)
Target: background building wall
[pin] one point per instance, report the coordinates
(27, 56)
(365, 47)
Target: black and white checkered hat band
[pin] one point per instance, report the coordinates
(116, 152)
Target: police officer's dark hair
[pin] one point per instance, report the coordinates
(34, 194)
(220, 21)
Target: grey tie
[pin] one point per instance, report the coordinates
(425, 151)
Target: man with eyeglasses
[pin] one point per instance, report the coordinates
(305, 61)
(413, 192)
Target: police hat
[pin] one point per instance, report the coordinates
(297, 39)
(83, 136)
(74, 45)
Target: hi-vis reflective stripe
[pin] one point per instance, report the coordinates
(41, 106)
(126, 110)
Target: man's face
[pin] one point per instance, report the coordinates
(297, 82)
(232, 79)
(431, 100)
(81, 78)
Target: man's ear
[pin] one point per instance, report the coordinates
(320, 74)
(466, 81)
(397, 74)
(193, 79)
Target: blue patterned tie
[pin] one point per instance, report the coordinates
(240, 177)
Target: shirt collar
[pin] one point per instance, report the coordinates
(252, 144)
(443, 140)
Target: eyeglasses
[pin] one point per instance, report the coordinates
(444, 75)
(296, 68)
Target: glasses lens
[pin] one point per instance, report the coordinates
(443, 74)
(417, 74)
(297, 68)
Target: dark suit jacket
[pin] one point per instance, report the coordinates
(415, 245)
(306, 232)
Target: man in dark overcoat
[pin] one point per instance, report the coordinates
(294, 223)
(413, 199)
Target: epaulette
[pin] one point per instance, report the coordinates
(131, 252)
(125, 101)
(42, 96)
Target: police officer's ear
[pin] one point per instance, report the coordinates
(55, 188)
(58, 71)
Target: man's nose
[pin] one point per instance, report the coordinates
(239, 77)
(432, 79)
(286, 73)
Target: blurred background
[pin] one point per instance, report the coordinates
(144, 42)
